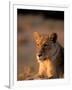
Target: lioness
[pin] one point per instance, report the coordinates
(50, 56)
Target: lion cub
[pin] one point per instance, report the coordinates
(50, 56)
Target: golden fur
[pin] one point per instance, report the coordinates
(47, 67)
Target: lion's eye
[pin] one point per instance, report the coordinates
(45, 45)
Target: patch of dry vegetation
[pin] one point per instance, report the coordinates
(27, 73)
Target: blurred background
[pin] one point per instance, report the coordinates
(29, 21)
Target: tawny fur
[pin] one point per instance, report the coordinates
(46, 68)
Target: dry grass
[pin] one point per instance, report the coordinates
(27, 73)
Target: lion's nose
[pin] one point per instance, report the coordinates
(40, 55)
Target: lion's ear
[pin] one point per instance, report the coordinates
(38, 38)
(53, 37)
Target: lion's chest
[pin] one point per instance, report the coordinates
(46, 68)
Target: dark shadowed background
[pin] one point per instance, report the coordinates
(29, 21)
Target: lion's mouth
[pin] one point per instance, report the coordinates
(41, 58)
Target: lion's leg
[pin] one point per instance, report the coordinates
(41, 70)
(51, 70)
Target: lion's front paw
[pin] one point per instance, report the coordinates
(41, 76)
